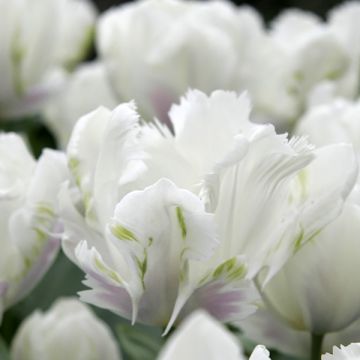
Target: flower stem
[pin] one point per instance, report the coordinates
(316, 343)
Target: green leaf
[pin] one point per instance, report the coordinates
(139, 342)
(4, 352)
(34, 129)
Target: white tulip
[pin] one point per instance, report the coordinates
(201, 337)
(39, 39)
(28, 223)
(301, 52)
(175, 45)
(110, 154)
(69, 330)
(304, 294)
(125, 250)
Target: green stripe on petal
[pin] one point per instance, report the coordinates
(181, 220)
(122, 233)
(230, 270)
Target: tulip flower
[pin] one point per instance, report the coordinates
(201, 337)
(302, 52)
(306, 304)
(117, 163)
(39, 40)
(29, 223)
(175, 45)
(68, 330)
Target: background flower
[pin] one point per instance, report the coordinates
(68, 330)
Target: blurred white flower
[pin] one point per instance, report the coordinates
(343, 22)
(351, 351)
(86, 88)
(301, 51)
(174, 45)
(304, 293)
(201, 337)
(68, 330)
(28, 223)
(333, 122)
(39, 39)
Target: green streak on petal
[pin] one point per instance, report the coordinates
(299, 76)
(184, 272)
(142, 266)
(299, 241)
(88, 38)
(312, 237)
(73, 164)
(74, 168)
(181, 220)
(230, 270)
(110, 273)
(17, 55)
(44, 209)
(333, 75)
(303, 181)
(122, 233)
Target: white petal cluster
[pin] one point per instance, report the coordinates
(300, 49)
(154, 51)
(68, 330)
(187, 195)
(174, 45)
(150, 219)
(30, 231)
(39, 40)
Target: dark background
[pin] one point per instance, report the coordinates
(268, 8)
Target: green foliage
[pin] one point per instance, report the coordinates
(4, 353)
(139, 342)
(32, 127)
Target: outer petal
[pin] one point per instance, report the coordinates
(260, 353)
(102, 149)
(35, 227)
(84, 147)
